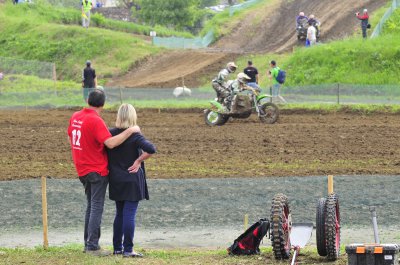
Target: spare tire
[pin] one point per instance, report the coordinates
(280, 227)
(332, 227)
(320, 227)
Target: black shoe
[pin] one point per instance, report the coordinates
(118, 252)
(98, 252)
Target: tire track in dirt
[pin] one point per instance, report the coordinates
(269, 29)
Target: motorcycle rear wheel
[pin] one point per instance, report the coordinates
(213, 118)
(269, 113)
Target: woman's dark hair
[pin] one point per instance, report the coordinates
(273, 62)
(97, 98)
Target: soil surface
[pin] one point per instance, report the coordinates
(268, 29)
(34, 143)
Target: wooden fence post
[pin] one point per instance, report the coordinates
(44, 213)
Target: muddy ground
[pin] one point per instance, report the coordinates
(34, 143)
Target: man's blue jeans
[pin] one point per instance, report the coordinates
(124, 225)
(95, 190)
(276, 90)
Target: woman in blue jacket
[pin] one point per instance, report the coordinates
(127, 180)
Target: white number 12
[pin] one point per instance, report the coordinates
(76, 136)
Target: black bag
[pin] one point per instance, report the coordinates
(248, 243)
(368, 26)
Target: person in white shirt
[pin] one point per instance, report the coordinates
(312, 34)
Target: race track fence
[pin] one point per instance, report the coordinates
(44, 70)
(184, 43)
(198, 42)
(379, 28)
(164, 97)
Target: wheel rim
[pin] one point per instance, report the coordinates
(212, 117)
(269, 113)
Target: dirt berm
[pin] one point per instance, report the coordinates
(268, 29)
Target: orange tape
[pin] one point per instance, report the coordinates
(360, 250)
(378, 250)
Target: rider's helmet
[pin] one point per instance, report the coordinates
(243, 78)
(231, 66)
(301, 14)
(311, 17)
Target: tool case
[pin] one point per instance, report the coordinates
(373, 254)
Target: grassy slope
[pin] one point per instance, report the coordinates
(72, 254)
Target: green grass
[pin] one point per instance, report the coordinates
(29, 36)
(72, 254)
(41, 12)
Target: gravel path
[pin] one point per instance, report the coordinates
(198, 212)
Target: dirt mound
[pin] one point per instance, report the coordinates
(299, 144)
(272, 29)
(268, 29)
(166, 70)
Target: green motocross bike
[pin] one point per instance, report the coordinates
(242, 105)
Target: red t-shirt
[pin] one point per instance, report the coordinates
(87, 133)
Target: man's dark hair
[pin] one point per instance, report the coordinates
(273, 62)
(97, 98)
(88, 63)
(249, 62)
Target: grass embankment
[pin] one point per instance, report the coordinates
(70, 16)
(28, 35)
(72, 254)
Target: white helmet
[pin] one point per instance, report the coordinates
(231, 66)
(301, 14)
(311, 16)
(243, 78)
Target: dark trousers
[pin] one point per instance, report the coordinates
(364, 32)
(124, 225)
(95, 190)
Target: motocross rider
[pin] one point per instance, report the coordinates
(238, 85)
(220, 84)
(301, 17)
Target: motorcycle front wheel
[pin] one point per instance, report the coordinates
(213, 118)
(269, 113)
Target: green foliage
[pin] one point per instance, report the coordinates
(27, 34)
(392, 25)
(353, 61)
(171, 13)
(40, 13)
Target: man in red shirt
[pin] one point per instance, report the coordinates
(88, 134)
(364, 22)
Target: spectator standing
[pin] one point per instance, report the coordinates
(364, 22)
(311, 34)
(128, 183)
(89, 80)
(87, 5)
(273, 74)
(88, 134)
(252, 72)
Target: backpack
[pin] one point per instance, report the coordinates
(248, 243)
(281, 77)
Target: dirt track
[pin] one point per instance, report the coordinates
(268, 29)
(35, 144)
